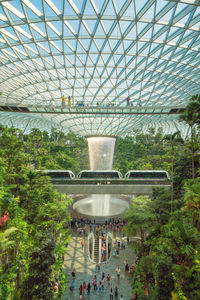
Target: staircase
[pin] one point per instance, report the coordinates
(96, 249)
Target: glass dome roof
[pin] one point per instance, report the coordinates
(98, 53)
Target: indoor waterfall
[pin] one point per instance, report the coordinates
(101, 152)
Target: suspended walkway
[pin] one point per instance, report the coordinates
(105, 109)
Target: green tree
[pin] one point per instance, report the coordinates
(39, 282)
(140, 218)
(191, 116)
(173, 140)
(192, 199)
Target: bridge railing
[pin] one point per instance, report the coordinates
(109, 182)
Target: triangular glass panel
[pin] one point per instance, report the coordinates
(74, 24)
(93, 47)
(68, 10)
(149, 14)
(167, 16)
(91, 24)
(116, 31)
(67, 32)
(129, 10)
(72, 58)
(83, 30)
(99, 5)
(109, 11)
(100, 43)
(113, 44)
(107, 24)
(49, 12)
(30, 13)
(131, 34)
(89, 10)
(99, 30)
(80, 48)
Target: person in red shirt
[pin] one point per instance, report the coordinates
(82, 243)
(80, 289)
(108, 279)
(84, 286)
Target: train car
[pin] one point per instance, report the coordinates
(58, 174)
(147, 175)
(99, 174)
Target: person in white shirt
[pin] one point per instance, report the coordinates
(118, 273)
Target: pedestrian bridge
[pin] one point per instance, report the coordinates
(113, 187)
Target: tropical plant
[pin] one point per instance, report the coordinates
(140, 219)
(173, 140)
(191, 116)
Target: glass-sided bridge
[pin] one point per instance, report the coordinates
(109, 186)
(86, 109)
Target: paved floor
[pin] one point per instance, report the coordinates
(77, 258)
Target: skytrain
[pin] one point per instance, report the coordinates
(136, 175)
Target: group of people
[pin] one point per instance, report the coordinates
(103, 282)
(85, 288)
(84, 226)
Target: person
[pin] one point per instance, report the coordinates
(102, 284)
(119, 244)
(116, 293)
(123, 245)
(95, 282)
(118, 273)
(108, 279)
(84, 286)
(111, 292)
(121, 297)
(73, 284)
(103, 275)
(80, 289)
(125, 263)
(98, 267)
(99, 286)
(56, 286)
(128, 101)
(69, 101)
(63, 101)
(88, 288)
(82, 243)
(73, 273)
(127, 240)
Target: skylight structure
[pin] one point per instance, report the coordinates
(99, 53)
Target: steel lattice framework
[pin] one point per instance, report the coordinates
(98, 52)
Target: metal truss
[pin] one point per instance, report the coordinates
(99, 52)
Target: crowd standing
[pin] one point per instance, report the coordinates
(101, 282)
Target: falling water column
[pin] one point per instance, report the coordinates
(101, 152)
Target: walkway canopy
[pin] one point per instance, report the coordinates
(109, 53)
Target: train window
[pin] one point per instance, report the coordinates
(99, 174)
(147, 175)
(59, 174)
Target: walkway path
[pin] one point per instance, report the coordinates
(77, 258)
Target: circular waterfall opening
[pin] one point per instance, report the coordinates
(101, 206)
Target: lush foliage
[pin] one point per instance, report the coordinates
(33, 237)
(169, 250)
